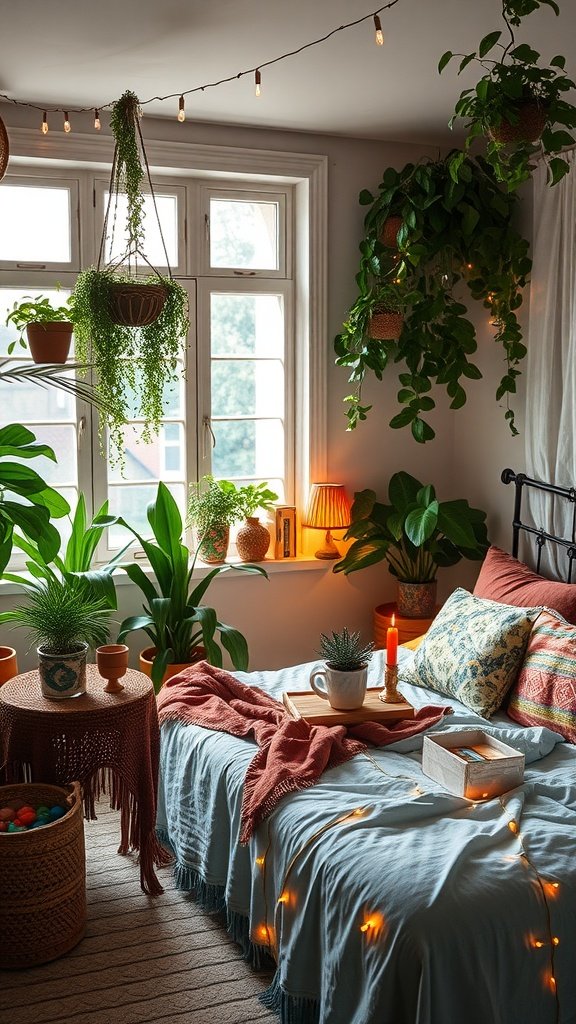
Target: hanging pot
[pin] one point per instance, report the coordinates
(389, 232)
(4, 149)
(63, 675)
(417, 600)
(529, 127)
(385, 325)
(136, 305)
(253, 540)
(213, 547)
(49, 341)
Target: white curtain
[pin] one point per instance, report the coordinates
(550, 429)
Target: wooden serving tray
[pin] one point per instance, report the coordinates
(318, 711)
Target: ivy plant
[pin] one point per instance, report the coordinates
(456, 230)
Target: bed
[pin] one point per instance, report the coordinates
(382, 898)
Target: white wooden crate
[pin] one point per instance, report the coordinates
(476, 780)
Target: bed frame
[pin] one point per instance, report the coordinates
(520, 480)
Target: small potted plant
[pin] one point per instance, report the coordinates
(253, 539)
(64, 618)
(213, 506)
(416, 534)
(48, 328)
(346, 670)
(387, 315)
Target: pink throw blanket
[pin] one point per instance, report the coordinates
(292, 754)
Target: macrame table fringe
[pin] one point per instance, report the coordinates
(290, 1009)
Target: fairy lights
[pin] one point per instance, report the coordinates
(97, 123)
(379, 36)
(181, 111)
(67, 125)
(44, 128)
(257, 82)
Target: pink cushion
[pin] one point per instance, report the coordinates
(503, 578)
(545, 691)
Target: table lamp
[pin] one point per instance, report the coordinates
(328, 509)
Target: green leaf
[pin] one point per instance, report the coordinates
(558, 62)
(365, 197)
(444, 60)
(421, 523)
(453, 524)
(402, 419)
(403, 491)
(488, 42)
(235, 644)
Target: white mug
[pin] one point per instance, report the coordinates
(344, 691)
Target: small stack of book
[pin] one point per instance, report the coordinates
(285, 531)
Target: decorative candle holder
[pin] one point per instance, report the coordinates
(391, 694)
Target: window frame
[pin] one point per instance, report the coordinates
(237, 190)
(45, 180)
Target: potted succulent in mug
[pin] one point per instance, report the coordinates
(64, 618)
(253, 539)
(213, 506)
(345, 674)
(416, 534)
(48, 328)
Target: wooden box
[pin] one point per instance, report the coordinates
(317, 711)
(500, 768)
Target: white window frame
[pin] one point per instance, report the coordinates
(162, 186)
(232, 191)
(45, 180)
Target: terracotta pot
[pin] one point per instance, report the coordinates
(389, 232)
(112, 662)
(63, 675)
(531, 121)
(146, 658)
(49, 342)
(417, 600)
(213, 547)
(136, 305)
(253, 540)
(385, 325)
(8, 664)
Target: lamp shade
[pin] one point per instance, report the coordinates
(328, 507)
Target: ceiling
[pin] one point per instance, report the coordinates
(75, 54)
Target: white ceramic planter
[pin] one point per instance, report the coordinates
(63, 675)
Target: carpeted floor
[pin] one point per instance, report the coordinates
(143, 959)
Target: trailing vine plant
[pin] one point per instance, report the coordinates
(453, 225)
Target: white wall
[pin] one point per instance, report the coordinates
(282, 619)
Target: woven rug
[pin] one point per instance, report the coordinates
(143, 959)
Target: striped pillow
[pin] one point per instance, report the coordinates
(545, 691)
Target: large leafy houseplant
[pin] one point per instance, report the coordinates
(518, 105)
(174, 617)
(414, 533)
(455, 228)
(130, 323)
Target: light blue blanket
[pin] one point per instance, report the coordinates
(419, 909)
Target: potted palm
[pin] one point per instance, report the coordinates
(48, 328)
(213, 506)
(253, 539)
(416, 534)
(181, 628)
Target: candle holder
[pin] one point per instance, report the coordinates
(391, 694)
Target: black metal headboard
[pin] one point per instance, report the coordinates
(520, 480)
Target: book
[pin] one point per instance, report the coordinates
(478, 752)
(285, 531)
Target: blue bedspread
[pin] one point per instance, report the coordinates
(419, 909)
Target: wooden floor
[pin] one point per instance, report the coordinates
(143, 959)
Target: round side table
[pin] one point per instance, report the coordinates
(108, 742)
(408, 629)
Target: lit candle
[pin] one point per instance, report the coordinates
(392, 643)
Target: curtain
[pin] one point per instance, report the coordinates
(550, 429)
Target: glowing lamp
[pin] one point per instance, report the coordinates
(328, 509)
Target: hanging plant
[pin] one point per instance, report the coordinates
(130, 320)
(518, 106)
(455, 226)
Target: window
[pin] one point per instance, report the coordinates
(234, 410)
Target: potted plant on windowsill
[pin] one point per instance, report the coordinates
(181, 628)
(213, 506)
(253, 539)
(416, 534)
(48, 328)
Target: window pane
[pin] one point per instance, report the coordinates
(244, 233)
(247, 325)
(154, 250)
(27, 403)
(35, 224)
(131, 503)
(150, 461)
(9, 297)
(253, 448)
(172, 396)
(62, 439)
(243, 387)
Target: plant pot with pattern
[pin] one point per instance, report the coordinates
(213, 506)
(48, 328)
(253, 539)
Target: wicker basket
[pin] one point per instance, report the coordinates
(531, 122)
(385, 325)
(4, 149)
(42, 880)
(136, 305)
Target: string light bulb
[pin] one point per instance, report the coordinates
(97, 123)
(260, 861)
(513, 826)
(44, 128)
(257, 82)
(181, 111)
(67, 125)
(379, 33)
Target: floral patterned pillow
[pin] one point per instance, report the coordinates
(473, 651)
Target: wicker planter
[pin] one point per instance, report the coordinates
(49, 342)
(146, 659)
(42, 879)
(4, 149)
(136, 305)
(531, 123)
(253, 540)
(417, 600)
(385, 325)
(389, 232)
(63, 675)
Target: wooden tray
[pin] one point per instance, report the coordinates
(318, 711)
